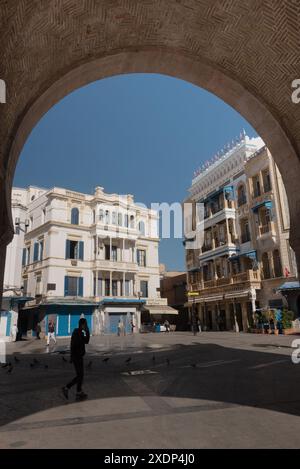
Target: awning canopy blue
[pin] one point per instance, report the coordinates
(267, 204)
(250, 254)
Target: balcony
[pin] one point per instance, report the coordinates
(267, 228)
(249, 276)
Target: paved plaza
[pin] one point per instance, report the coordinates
(213, 390)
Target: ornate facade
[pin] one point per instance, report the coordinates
(246, 254)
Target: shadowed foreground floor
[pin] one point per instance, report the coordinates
(178, 391)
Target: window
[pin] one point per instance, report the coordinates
(245, 231)
(241, 195)
(267, 181)
(144, 288)
(126, 221)
(107, 217)
(142, 228)
(127, 287)
(38, 286)
(266, 266)
(73, 286)
(74, 249)
(51, 286)
(114, 218)
(101, 215)
(107, 252)
(114, 253)
(277, 263)
(27, 256)
(114, 286)
(75, 216)
(256, 186)
(25, 286)
(141, 257)
(38, 249)
(131, 221)
(107, 287)
(120, 219)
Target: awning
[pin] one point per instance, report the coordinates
(267, 203)
(122, 301)
(155, 309)
(60, 302)
(228, 191)
(251, 254)
(288, 286)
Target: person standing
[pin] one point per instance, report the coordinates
(80, 337)
(51, 332)
(38, 331)
(14, 332)
(132, 326)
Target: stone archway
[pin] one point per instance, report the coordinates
(244, 52)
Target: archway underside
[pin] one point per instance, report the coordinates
(244, 52)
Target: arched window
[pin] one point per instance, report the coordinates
(107, 217)
(75, 216)
(241, 195)
(266, 265)
(120, 219)
(101, 215)
(142, 228)
(131, 221)
(114, 218)
(277, 263)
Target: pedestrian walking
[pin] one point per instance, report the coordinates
(132, 326)
(199, 325)
(51, 332)
(121, 330)
(167, 326)
(80, 337)
(38, 331)
(14, 332)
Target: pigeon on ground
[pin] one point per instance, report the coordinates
(168, 361)
(105, 360)
(36, 361)
(10, 368)
(46, 367)
(5, 365)
(63, 359)
(16, 360)
(89, 365)
(128, 360)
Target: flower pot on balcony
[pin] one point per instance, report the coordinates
(276, 331)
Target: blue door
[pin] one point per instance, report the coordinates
(113, 322)
(63, 324)
(74, 321)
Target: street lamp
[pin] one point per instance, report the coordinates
(18, 223)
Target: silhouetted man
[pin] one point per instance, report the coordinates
(80, 337)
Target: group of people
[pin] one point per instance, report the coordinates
(121, 330)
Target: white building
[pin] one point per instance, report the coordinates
(13, 292)
(92, 255)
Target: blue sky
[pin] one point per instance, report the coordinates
(140, 134)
